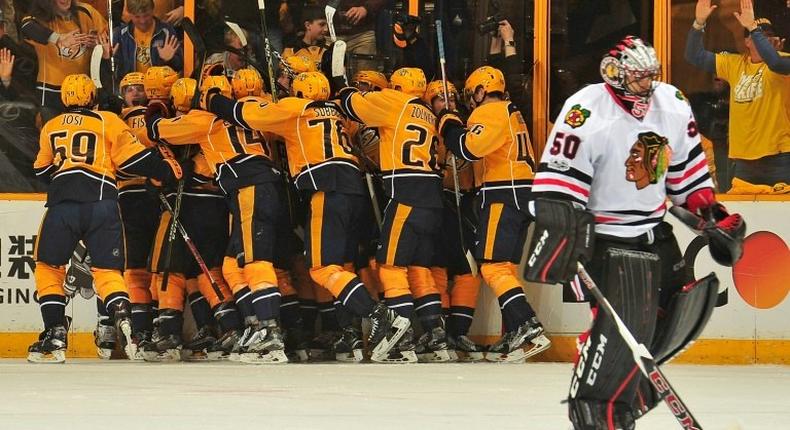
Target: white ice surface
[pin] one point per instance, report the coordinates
(88, 394)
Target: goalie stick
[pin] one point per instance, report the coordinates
(644, 360)
(470, 260)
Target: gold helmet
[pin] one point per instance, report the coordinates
(247, 82)
(78, 91)
(182, 93)
(436, 89)
(220, 82)
(311, 85)
(296, 64)
(376, 80)
(133, 78)
(158, 80)
(409, 80)
(489, 78)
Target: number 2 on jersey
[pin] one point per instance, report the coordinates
(408, 146)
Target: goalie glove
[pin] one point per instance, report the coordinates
(725, 232)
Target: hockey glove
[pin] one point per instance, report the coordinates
(446, 117)
(206, 95)
(157, 108)
(725, 232)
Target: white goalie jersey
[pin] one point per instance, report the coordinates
(619, 167)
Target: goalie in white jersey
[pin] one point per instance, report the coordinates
(617, 151)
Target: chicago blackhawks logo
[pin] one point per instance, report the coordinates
(648, 160)
(577, 116)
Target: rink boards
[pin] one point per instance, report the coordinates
(752, 328)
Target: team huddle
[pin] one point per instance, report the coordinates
(351, 203)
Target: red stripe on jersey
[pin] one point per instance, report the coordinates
(561, 183)
(599, 219)
(702, 163)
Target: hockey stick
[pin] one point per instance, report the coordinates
(193, 249)
(96, 55)
(267, 49)
(200, 49)
(456, 184)
(696, 223)
(644, 360)
(329, 10)
(112, 46)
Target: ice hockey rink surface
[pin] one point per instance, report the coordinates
(118, 395)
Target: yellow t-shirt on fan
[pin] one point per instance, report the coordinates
(142, 55)
(759, 107)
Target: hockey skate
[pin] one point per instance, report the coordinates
(224, 346)
(50, 346)
(518, 345)
(348, 348)
(297, 347)
(321, 347)
(386, 329)
(402, 353)
(162, 348)
(466, 350)
(123, 326)
(197, 347)
(104, 337)
(140, 339)
(432, 347)
(265, 346)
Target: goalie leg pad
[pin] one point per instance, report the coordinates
(685, 317)
(563, 235)
(606, 373)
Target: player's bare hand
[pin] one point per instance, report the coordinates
(746, 16)
(356, 14)
(505, 30)
(175, 16)
(703, 10)
(168, 50)
(6, 64)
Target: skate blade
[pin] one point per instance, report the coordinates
(55, 357)
(404, 357)
(234, 356)
(470, 357)
(271, 357)
(299, 355)
(440, 356)
(354, 356)
(383, 348)
(320, 355)
(217, 356)
(518, 356)
(170, 355)
(130, 348)
(193, 356)
(104, 353)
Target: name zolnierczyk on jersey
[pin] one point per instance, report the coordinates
(424, 114)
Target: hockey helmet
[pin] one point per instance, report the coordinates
(436, 89)
(296, 64)
(491, 79)
(311, 85)
(630, 61)
(158, 80)
(247, 82)
(182, 93)
(409, 80)
(220, 82)
(375, 80)
(78, 91)
(133, 78)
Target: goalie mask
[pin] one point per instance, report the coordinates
(632, 67)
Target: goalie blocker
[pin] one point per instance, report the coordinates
(649, 286)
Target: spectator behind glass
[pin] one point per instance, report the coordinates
(712, 112)
(63, 33)
(6, 67)
(759, 100)
(145, 41)
(355, 23)
(169, 11)
(311, 42)
(230, 61)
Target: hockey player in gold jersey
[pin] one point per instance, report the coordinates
(412, 182)
(80, 153)
(449, 263)
(323, 166)
(241, 165)
(497, 141)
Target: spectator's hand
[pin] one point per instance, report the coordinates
(703, 11)
(104, 41)
(168, 50)
(746, 17)
(6, 64)
(506, 31)
(73, 38)
(175, 16)
(778, 43)
(356, 14)
(91, 41)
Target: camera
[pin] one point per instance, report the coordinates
(491, 23)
